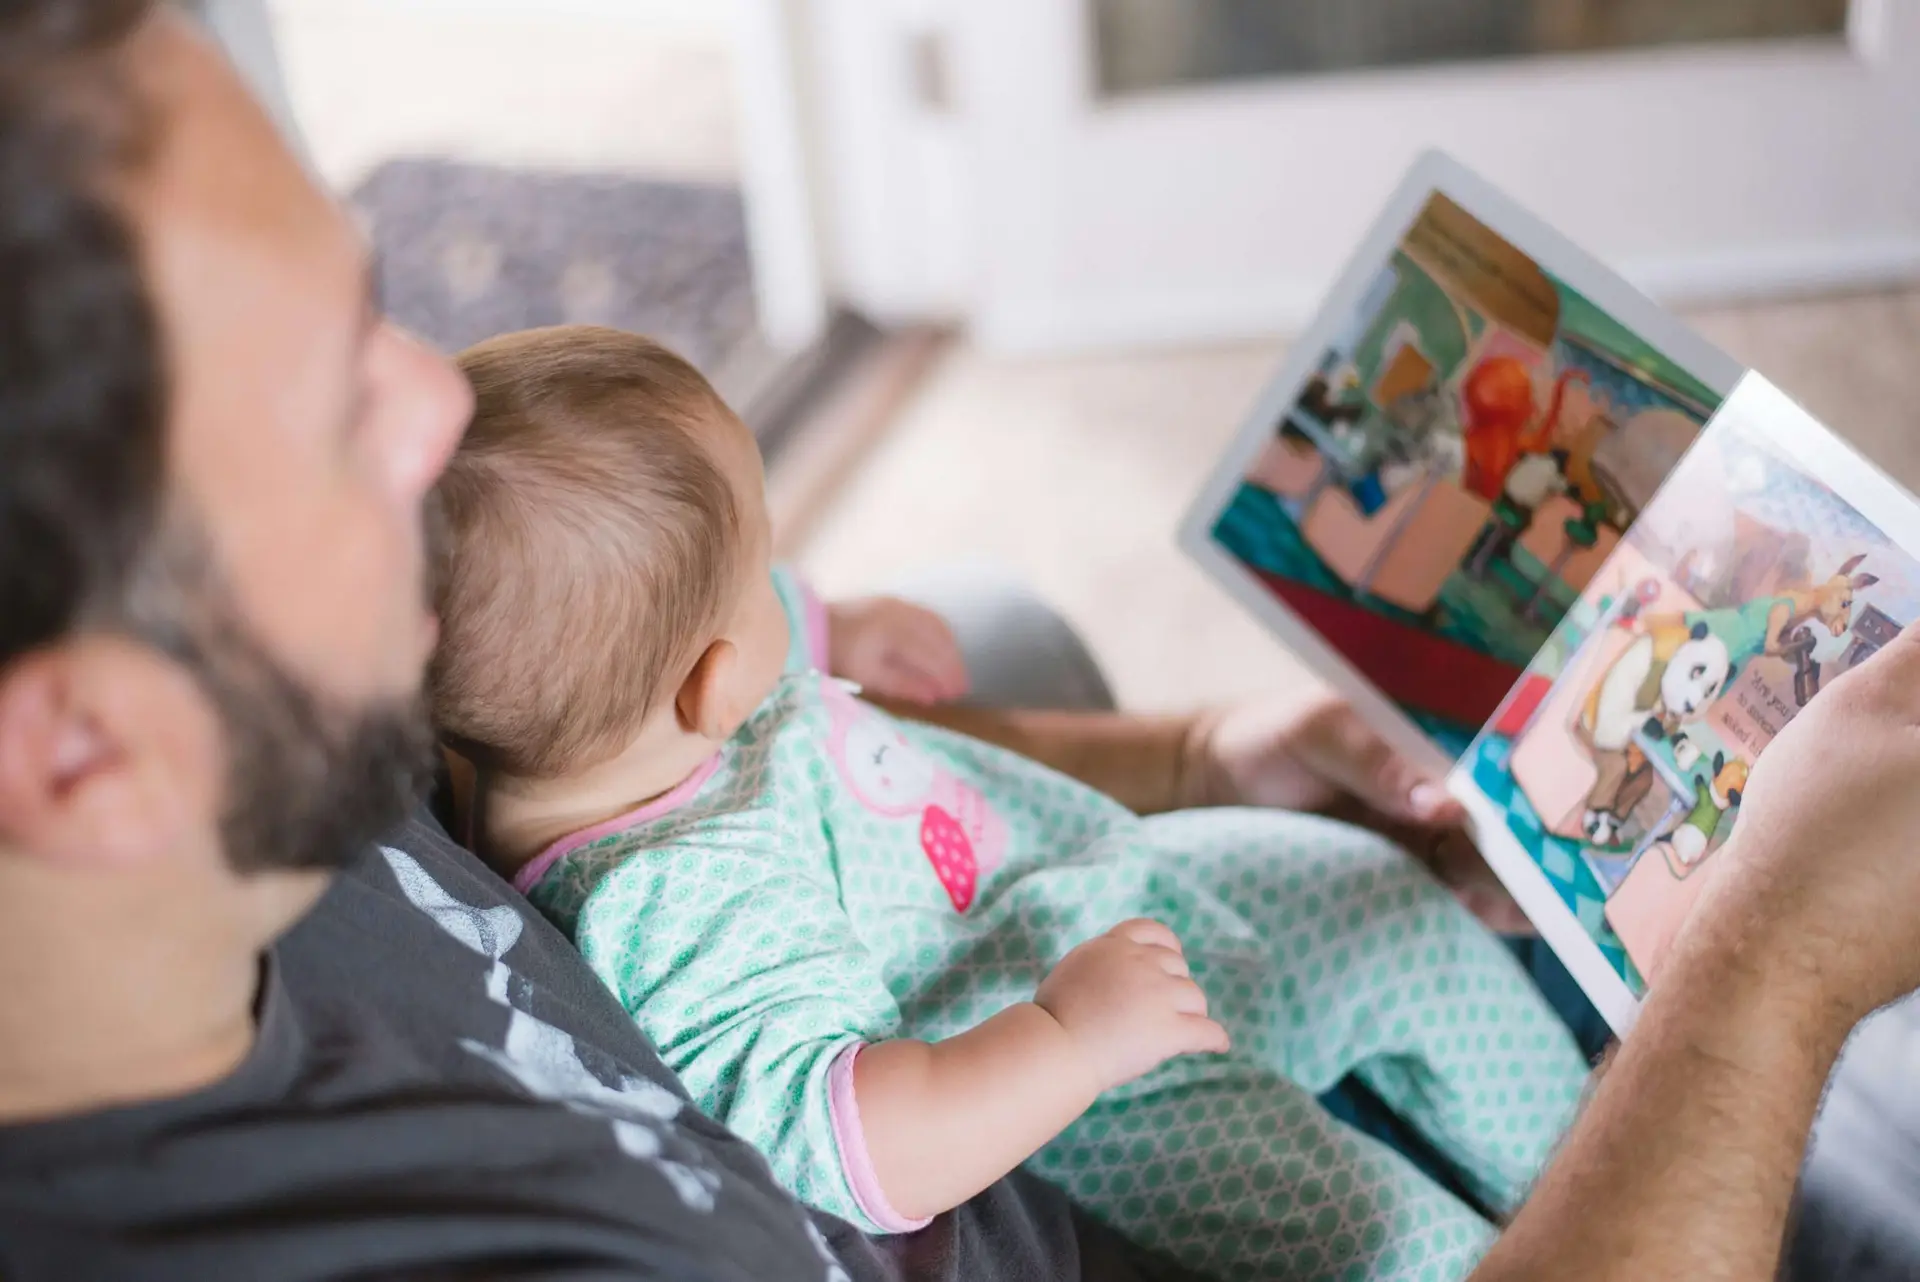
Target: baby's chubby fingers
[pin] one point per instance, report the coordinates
(936, 651)
(1199, 1035)
(935, 684)
(1173, 963)
(1145, 930)
(1128, 1001)
(905, 679)
(1188, 997)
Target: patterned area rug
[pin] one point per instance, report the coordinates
(469, 251)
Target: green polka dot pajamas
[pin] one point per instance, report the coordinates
(835, 878)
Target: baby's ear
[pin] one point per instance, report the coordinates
(709, 699)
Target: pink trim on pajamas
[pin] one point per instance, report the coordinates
(529, 876)
(844, 1109)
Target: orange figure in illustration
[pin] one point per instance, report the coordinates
(1500, 424)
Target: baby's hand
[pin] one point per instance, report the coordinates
(895, 648)
(1127, 998)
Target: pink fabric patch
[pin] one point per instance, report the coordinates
(857, 1162)
(530, 874)
(815, 623)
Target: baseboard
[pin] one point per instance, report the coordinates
(774, 389)
(823, 446)
(1058, 323)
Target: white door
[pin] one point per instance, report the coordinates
(1173, 170)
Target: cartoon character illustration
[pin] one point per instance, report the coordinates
(1716, 791)
(1500, 422)
(1532, 480)
(1669, 675)
(1378, 456)
(1786, 622)
(959, 832)
(1831, 603)
(1798, 650)
(1330, 402)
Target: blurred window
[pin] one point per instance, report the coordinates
(1144, 45)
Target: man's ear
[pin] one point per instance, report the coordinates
(109, 755)
(707, 704)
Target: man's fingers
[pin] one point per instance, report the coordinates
(1454, 858)
(1496, 910)
(1407, 793)
(1429, 803)
(1358, 759)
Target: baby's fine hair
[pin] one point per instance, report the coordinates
(586, 547)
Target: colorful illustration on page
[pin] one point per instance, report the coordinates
(1620, 758)
(1458, 467)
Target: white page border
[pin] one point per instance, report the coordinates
(1759, 410)
(1433, 172)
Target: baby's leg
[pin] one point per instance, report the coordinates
(1251, 1178)
(1372, 967)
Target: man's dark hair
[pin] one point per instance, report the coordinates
(82, 394)
(89, 536)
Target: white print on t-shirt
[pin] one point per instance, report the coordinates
(545, 1060)
(834, 1272)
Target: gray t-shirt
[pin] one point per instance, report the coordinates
(440, 1088)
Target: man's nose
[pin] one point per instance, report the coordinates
(436, 405)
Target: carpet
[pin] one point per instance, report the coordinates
(467, 251)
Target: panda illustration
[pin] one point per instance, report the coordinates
(1670, 674)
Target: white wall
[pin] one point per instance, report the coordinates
(642, 87)
(246, 32)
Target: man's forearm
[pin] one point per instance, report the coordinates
(1145, 763)
(1684, 1163)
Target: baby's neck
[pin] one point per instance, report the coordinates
(514, 819)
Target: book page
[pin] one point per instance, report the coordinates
(1450, 455)
(1772, 562)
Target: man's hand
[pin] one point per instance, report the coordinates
(1821, 879)
(895, 649)
(1305, 755)
(1129, 1003)
(1683, 1163)
(1319, 755)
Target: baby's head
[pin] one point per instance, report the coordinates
(602, 580)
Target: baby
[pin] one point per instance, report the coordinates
(902, 962)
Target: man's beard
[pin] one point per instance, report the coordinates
(309, 784)
(310, 780)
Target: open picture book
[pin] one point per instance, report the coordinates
(1559, 550)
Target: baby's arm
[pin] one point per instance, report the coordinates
(738, 959)
(944, 1120)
